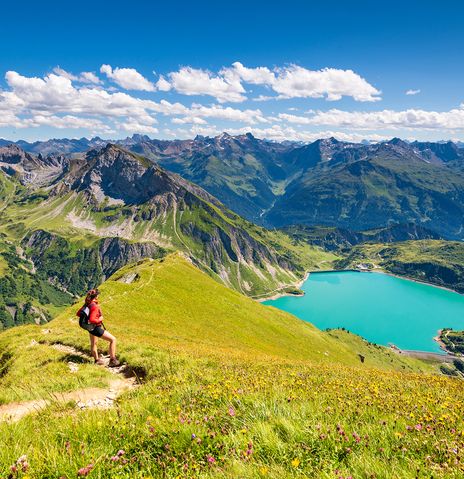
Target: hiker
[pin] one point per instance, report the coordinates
(91, 319)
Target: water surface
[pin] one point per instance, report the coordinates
(381, 308)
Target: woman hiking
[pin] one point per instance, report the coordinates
(91, 319)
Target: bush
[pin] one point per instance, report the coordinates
(448, 371)
(459, 365)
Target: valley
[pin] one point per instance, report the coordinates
(229, 387)
(226, 386)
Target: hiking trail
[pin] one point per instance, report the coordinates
(87, 398)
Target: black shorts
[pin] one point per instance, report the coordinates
(97, 331)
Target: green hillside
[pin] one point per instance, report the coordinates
(435, 261)
(230, 388)
(114, 207)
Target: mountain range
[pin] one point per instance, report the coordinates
(327, 182)
(68, 223)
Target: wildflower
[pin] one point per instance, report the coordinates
(210, 459)
(114, 458)
(85, 471)
(263, 470)
(418, 427)
(120, 453)
(295, 462)
(194, 436)
(231, 411)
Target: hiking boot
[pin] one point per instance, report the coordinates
(114, 363)
(99, 362)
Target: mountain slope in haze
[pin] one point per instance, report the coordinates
(329, 182)
(30, 169)
(111, 193)
(362, 187)
(245, 173)
(332, 238)
(229, 388)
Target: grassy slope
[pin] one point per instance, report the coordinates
(265, 395)
(251, 279)
(436, 261)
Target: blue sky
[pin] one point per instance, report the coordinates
(282, 70)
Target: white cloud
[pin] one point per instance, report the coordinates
(412, 92)
(289, 82)
(195, 120)
(162, 84)
(55, 94)
(255, 76)
(384, 119)
(134, 127)
(192, 81)
(84, 77)
(331, 83)
(127, 78)
(89, 77)
(57, 101)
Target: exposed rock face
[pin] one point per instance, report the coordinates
(133, 198)
(349, 185)
(114, 253)
(76, 271)
(30, 169)
(128, 179)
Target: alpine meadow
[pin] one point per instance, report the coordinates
(188, 192)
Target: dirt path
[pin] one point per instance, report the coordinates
(89, 398)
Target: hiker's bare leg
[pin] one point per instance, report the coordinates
(112, 340)
(93, 346)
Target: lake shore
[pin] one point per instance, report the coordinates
(440, 342)
(441, 353)
(279, 293)
(414, 280)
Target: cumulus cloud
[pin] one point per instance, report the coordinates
(55, 95)
(30, 97)
(64, 100)
(195, 120)
(127, 78)
(384, 119)
(412, 92)
(298, 82)
(255, 76)
(289, 82)
(162, 84)
(84, 77)
(134, 127)
(193, 81)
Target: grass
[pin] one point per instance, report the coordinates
(232, 388)
(201, 229)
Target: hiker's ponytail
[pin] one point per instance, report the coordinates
(91, 295)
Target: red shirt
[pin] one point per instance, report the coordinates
(95, 313)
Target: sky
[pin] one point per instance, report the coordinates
(293, 70)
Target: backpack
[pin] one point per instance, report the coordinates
(84, 319)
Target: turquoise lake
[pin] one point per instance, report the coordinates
(381, 308)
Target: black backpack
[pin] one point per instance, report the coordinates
(84, 319)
